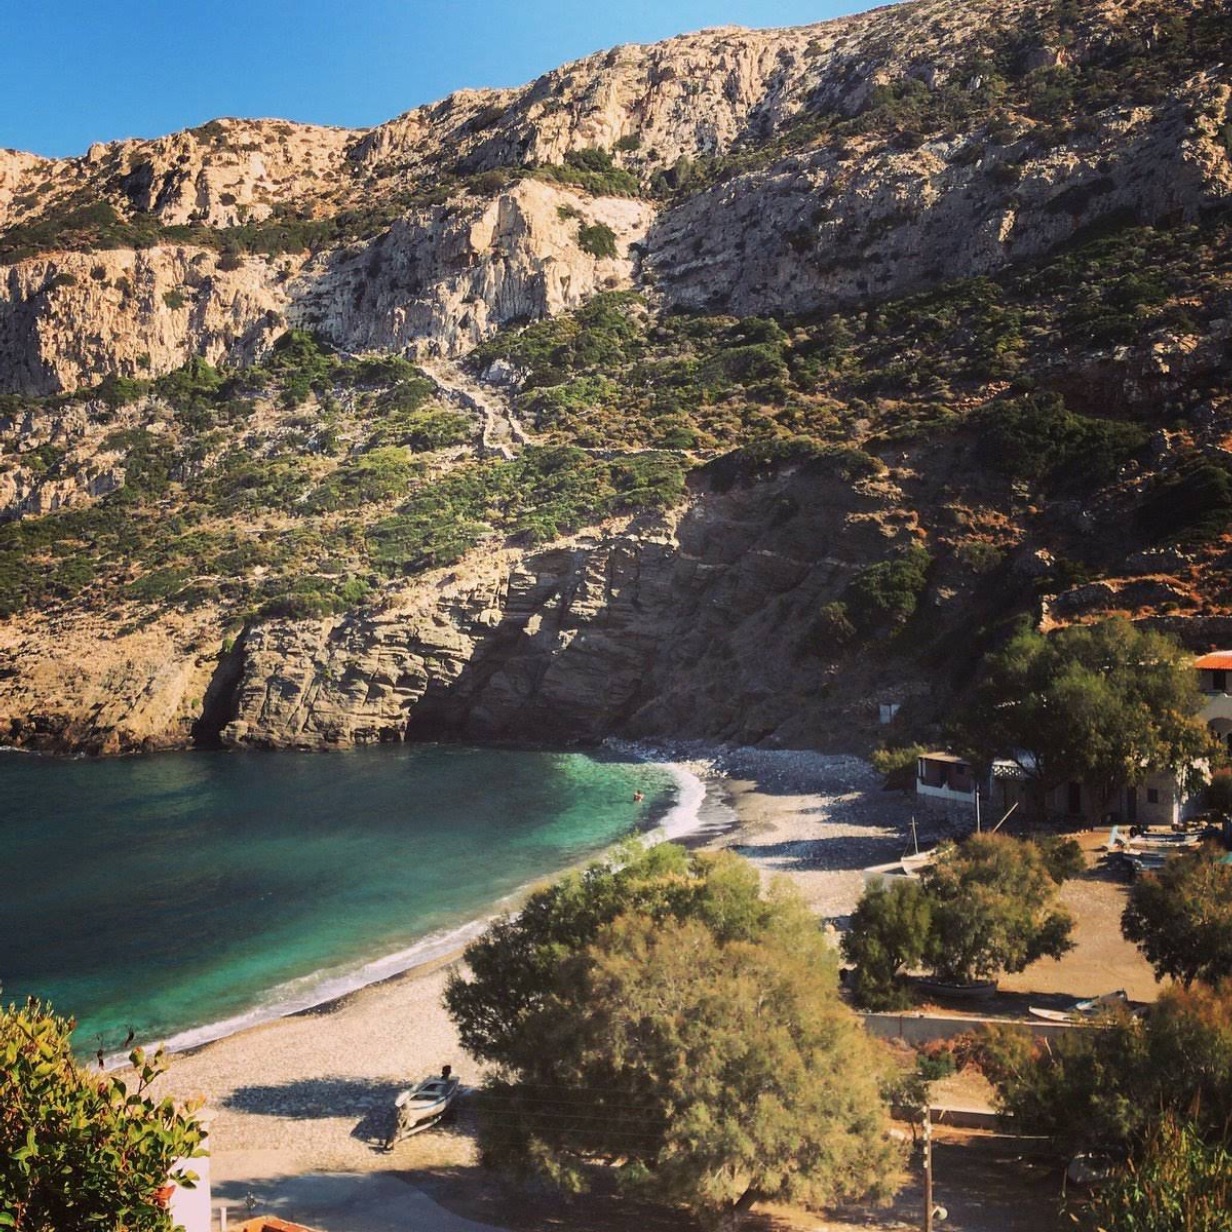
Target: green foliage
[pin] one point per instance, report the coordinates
(602, 334)
(371, 478)
(1109, 1087)
(885, 595)
(1176, 1181)
(405, 415)
(889, 933)
(537, 496)
(993, 902)
(1036, 438)
(983, 906)
(1102, 704)
(1062, 856)
(79, 1150)
(148, 460)
(598, 239)
(898, 764)
(663, 1016)
(245, 484)
(1181, 918)
(593, 171)
(1192, 505)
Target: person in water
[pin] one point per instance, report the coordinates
(638, 797)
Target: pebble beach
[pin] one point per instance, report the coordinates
(312, 1092)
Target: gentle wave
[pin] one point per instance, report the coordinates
(310, 992)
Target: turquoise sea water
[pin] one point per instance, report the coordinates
(185, 895)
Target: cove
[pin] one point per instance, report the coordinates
(185, 895)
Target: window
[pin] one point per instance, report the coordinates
(1219, 681)
(1152, 795)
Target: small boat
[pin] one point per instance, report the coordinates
(420, 1107)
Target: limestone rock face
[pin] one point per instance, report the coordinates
(442, 280)
(830, 224)
(686, 627)
(84, 684)
(829, 229)
(72, 318)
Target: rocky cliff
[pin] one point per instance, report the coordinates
(763, 376)
(828, 194)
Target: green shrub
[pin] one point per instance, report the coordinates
(1037, 438)
(1193, 505)
(886, 594)
(898, 765)
(598, 239)
(372, 477)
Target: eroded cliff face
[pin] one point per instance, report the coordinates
(732, 173)
(833, 228)
(689, 625)
(133, 314)
(830, 223)
(443, 279)
(697, 625)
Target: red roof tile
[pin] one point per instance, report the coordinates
(1216, 661)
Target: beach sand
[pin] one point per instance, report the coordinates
(313, 1092)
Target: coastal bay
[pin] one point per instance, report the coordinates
(311, 1092)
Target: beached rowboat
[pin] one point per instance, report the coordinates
(420, 1107)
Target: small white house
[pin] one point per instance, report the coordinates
(1214, 675)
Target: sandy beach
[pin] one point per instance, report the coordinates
(312, 1092)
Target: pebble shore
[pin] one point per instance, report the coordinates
(312, 1092)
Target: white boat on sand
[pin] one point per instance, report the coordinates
(420, 1107)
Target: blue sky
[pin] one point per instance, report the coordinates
(77, 71)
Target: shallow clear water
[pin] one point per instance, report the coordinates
(168, 892)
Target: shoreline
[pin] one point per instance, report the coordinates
(311, 1091)
(693, 818)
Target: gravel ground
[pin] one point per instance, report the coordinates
(313, 1093)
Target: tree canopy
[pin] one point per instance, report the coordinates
(1103, 704)
(983, 906)
(1157, 1090)
(1181, 918)
(694, 1039)
(82, 1151)
(1109, 1087)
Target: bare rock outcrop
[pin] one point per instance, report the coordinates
(73, 318)
(443, 279)
(690, 626)
(425, 245)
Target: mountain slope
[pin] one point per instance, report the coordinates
(952, 282)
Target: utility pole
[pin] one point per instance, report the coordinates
(928, 1168)
(977, 808)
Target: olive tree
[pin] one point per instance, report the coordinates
(80, 1150)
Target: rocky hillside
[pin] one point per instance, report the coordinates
(724, 387)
